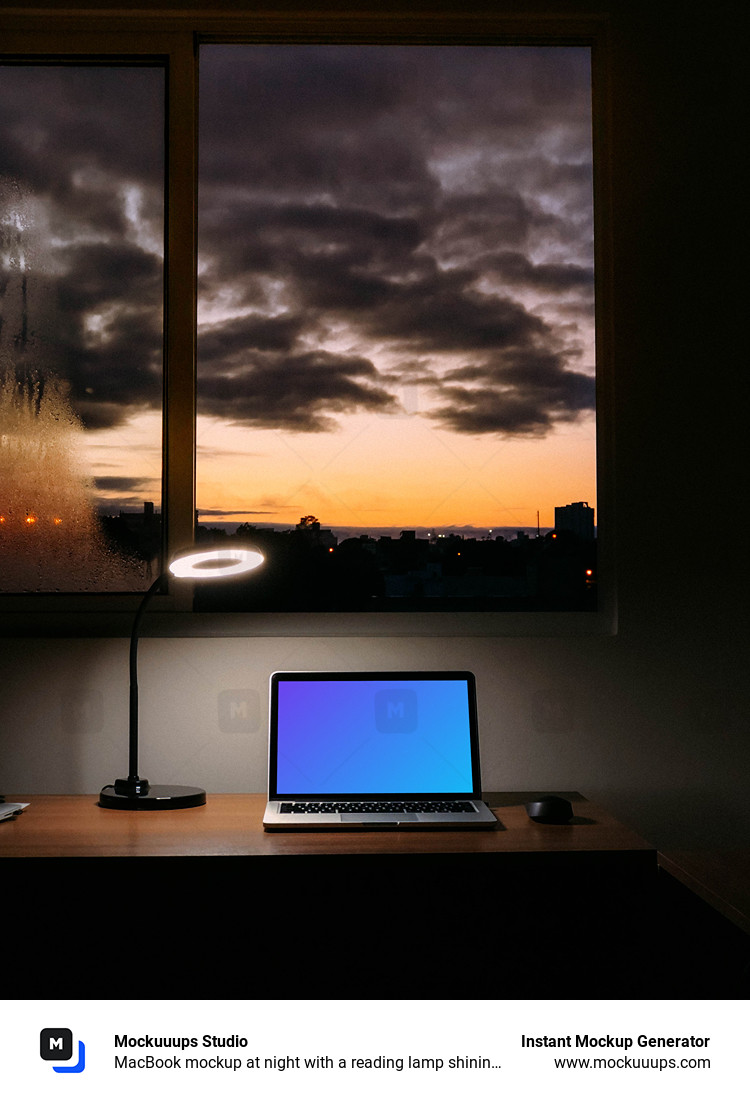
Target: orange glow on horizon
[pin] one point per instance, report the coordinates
(398, 472)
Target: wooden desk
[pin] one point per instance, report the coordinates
(203, 903)
(67, 826)
(720, 878)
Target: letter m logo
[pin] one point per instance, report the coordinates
(56, 1044)
(396, 710)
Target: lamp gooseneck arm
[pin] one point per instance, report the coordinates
(135, 793)
(134, 782)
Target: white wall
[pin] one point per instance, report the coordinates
(655, 735)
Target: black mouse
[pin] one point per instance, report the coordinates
(550, 810)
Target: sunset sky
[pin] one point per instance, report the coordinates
(395, 277)
(396, 280)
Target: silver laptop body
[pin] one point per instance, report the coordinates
(374, 750)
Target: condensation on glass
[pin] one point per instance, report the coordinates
(82, 171)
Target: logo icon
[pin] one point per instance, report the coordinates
(56, 1045)
(239, 711)
(396, 710)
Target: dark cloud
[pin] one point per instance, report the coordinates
(298, 393)
(365, 191)
(307, 246)
(132, 485)
(51, 114)
(316, 120)
(117, 494)
(306, 119)
(110, 331)
(355, 202)
(521, 393)
(518, 270)
(98, 325)
(81, 202)
(443, 312)
(226, 342)
(478, 224)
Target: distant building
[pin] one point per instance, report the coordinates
(140, 520)
(578, 518)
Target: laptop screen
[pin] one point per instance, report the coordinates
(351, 734)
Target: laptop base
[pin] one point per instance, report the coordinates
(275, 820)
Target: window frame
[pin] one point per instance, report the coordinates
(174, 40)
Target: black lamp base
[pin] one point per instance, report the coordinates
(157, 797)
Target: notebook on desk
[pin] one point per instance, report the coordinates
(371, 750)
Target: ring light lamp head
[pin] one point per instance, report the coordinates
(203, 565)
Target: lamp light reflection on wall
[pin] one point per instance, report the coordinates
(135, 793)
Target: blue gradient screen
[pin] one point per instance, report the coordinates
(373, 737)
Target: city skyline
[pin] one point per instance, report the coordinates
(207, 522)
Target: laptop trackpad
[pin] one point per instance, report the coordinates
(378, 819)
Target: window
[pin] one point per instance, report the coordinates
(81, 336)
(396, 322)
(357, 235)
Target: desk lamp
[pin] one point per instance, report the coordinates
(135, 793)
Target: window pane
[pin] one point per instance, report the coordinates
(81, 326)
(396, 323)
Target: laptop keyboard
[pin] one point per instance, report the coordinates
(426, 807)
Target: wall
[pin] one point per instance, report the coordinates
(653, 721)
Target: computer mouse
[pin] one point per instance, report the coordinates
(550, 810)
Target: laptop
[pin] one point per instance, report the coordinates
(374, 750)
